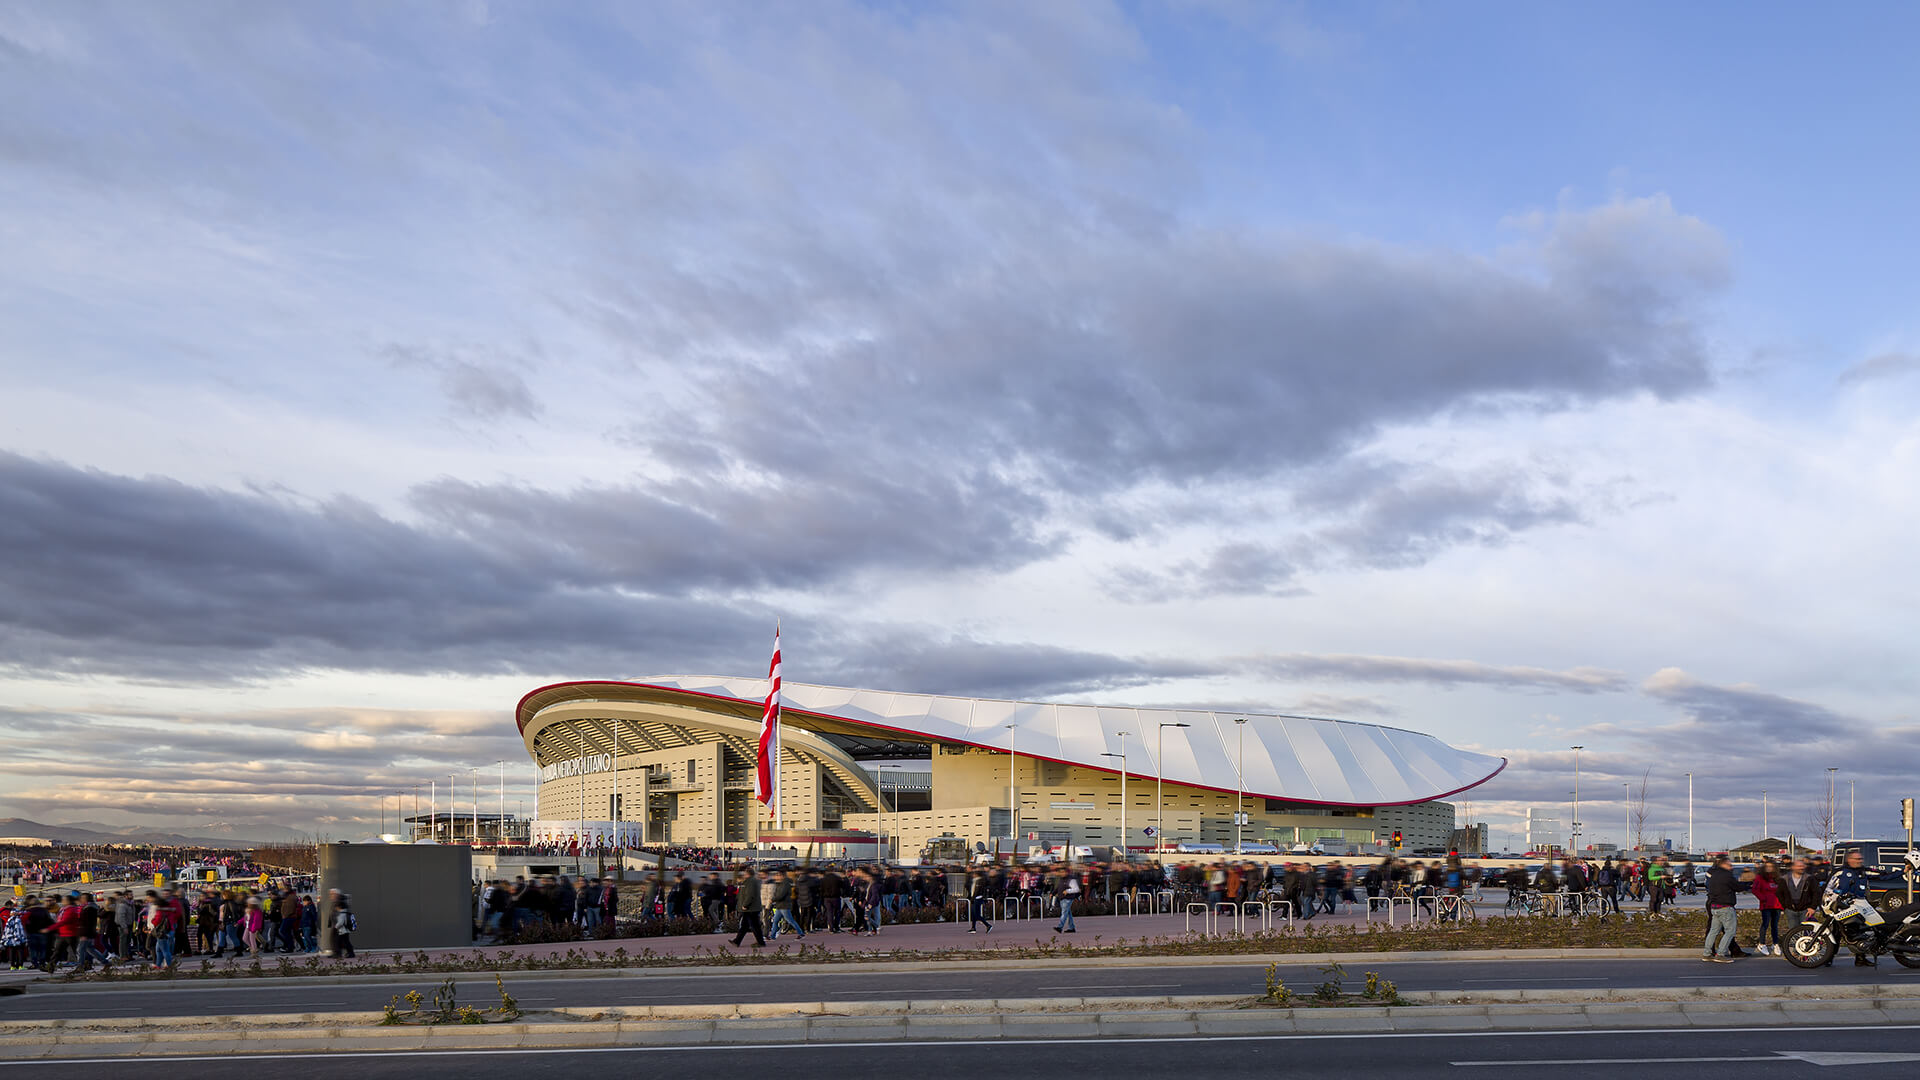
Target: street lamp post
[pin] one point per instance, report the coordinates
(1239, 781)
(500, 827)
(1689, 813)
(1573, 836)
(1122, 755)
(1853, 822)
(1626, 800)
(1766, 830)
(1159, 797)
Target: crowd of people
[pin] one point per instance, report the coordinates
(42, 867)
(78, 930)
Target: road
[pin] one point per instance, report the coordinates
(1723, 1054)
(195, 997)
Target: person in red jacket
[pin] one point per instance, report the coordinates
(1766, 889)
(67, 942)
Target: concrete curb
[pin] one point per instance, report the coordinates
(1050, 1018)
(906, 967)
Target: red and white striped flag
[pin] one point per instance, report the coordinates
(770, 731)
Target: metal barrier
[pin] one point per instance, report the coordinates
(1038, 904)
(1375, 903)
(1455, 908)
(1163, 902)
(1268, 908)
(962, 909)
(1234, 911)
(1206, 918)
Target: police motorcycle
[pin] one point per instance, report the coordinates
(1855, 923)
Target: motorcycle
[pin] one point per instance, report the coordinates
(1855, 923)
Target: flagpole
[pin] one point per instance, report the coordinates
(779, 806)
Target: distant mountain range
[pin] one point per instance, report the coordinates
(210, 834)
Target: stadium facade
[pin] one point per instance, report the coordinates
(671, 760)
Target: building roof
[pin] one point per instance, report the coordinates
(1293, 758)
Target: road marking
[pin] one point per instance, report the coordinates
(1125, 986)
(1102, 1040)
(1569, 978)
(1823, 1058)
(1844, 1057)
(1614, 1061)
(909, 990)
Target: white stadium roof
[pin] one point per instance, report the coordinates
(1292, 758)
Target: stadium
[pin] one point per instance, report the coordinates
(670, 760)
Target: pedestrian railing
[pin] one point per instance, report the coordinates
(962, 909)
(1163, 902)
(1455, 907)
(1272, 911)
(1233, 911)
(1391, 905)
(1206, 918)
(1035, 904)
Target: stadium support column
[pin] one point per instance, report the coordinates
(1013, 800)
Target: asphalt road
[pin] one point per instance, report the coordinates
(1146, 980)
(1725, 1054)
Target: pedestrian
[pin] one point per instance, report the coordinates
(1766, 890)
(13, 936)
(1722, 892)
(749, 907)
(1067, 893)
(160, 920)
(1798, 891)
(780, 898)
(344, 924)
(979, 902)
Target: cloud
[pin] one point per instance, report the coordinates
(1367, 513)
(480, 383)
(1395, 669)
(1882, 366)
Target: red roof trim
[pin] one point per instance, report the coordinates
(521, 717)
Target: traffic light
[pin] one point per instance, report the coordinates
(1396, 838)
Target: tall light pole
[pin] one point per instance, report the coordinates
(1766, 830)
(1239, 781)
(1626, 800)
(1013, 799)
(1573, 836)
(1159, 797)
(1122, 755)
(500, 827)
(1853, 823)
(1689, 813)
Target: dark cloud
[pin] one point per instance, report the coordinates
(151, 578)
(479, 383)
(1743, 745)
(1364, 513)
(1393, 669)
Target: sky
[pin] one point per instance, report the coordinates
(1536, 376)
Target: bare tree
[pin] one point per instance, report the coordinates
(1821, 821)
(1640, 812)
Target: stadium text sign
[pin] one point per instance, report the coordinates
(589, 763)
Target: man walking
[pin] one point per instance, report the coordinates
(979, 901)
(749, 907)
(1068, 892)
(1722, 888)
